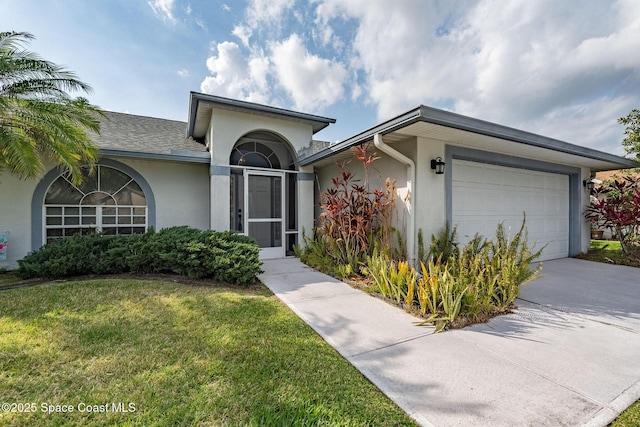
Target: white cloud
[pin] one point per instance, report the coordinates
(225, 7)
(235, 76)
(266, 11)
(311, 81)
(163, 8)
(243, 33)
(540, 65)
(183, 72)
(544, 66)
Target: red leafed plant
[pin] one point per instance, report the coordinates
(616, 204)
(355, 216)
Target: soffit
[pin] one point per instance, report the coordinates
(203, 117)
(494, 144)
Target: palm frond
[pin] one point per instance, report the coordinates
(39, 120)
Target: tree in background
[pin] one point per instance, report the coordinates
(39, 120)
(631, 141)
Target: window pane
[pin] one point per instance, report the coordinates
(236, 206)
(138, 230)
(54, 211)
(71, 211)
(71, 220)
(62, 193)
(108, 219)
(109, 231)
(89, 181)
(139, 220)
(265, 200)
(108, 211)
(139, 211)
(88, 220)
(267, 234)
(71, 231)
(132, 194)
(56, 220)
(291, 242)
(54, 232)
(124, 220)
(291, 204)
(98, 198)
(112, 180)
(88, 211)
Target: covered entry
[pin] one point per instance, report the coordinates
(263, 193)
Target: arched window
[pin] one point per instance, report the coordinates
(107, 201)
(254, 154)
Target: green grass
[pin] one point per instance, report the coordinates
(8, 278)
(607, 251)
(182, 354)
(629, 418)
(606, 244)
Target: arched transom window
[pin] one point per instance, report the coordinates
(254, 154)
(107, 201)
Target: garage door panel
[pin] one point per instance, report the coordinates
(486, 195)
(524, 180)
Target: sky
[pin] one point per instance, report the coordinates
(560, 68)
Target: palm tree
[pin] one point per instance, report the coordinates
(39, 120)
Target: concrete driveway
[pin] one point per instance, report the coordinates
(568, 356)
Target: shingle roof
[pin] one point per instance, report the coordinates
(139, 134)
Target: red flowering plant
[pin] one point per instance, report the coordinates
(616, 205)
(354, 215)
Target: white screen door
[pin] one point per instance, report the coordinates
(264, 205)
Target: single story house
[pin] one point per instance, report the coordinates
(257, 169)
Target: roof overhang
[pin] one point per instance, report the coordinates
(201, 106)
(175, 156)
(459, 130)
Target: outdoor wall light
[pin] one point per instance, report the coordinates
(438, 165)
(588, 184)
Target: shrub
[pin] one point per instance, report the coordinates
(393, 279)
(224, 256)
(477, 282)
(354, 217)
(443, 245)
(616, 204)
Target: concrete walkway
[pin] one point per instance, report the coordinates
(569, 355)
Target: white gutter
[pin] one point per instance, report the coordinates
(411, 176)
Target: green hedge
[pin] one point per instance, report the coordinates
(224, 256)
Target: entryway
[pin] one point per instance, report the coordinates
(264, 194)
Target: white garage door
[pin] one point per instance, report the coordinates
(485, 195)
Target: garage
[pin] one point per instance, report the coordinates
(483, 195)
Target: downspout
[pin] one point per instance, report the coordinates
(411, 176)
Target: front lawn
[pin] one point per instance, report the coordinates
(157, 352)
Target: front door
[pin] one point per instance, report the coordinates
(264, 205)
